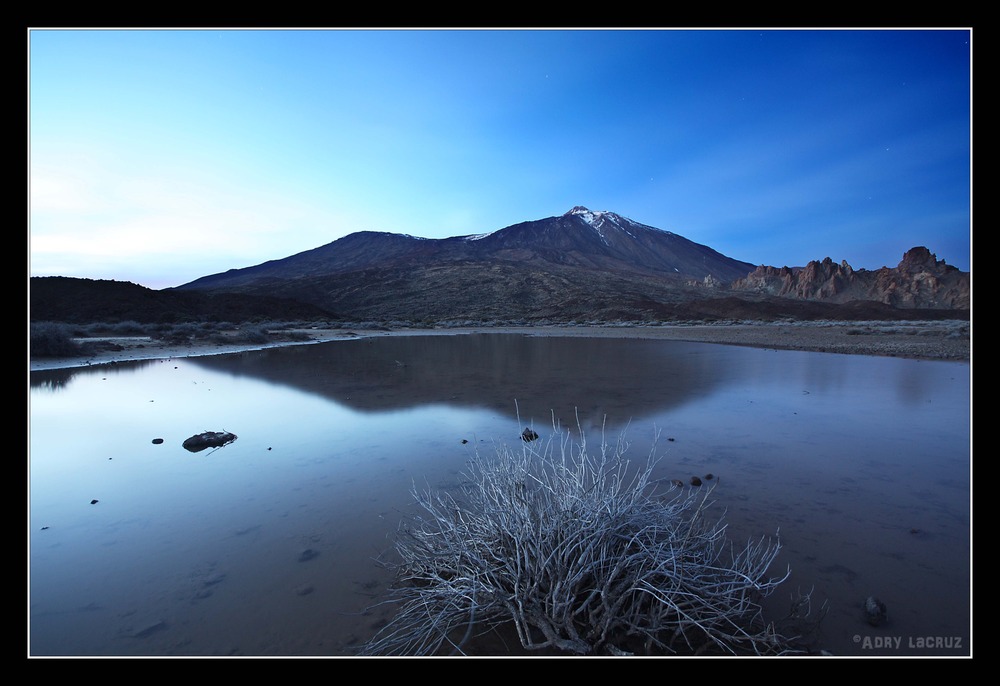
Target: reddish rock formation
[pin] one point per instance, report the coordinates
(920, 281)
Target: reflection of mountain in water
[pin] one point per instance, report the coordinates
(620, 378)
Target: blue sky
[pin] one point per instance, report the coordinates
(158, 157)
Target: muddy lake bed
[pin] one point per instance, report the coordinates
(267, 545)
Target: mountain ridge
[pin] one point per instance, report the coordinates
(83, 301)
(583, 266)
(919, 281)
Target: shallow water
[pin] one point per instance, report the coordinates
(267, 546)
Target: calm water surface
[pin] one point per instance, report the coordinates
(267, 546)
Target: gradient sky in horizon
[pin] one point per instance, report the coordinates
(160, 156)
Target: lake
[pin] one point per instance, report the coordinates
(268, 545)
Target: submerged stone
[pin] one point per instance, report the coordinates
(875, 611)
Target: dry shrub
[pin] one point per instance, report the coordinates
(582, 552)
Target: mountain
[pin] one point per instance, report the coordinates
(601, 241)
(580, 265)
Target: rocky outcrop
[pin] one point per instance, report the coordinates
(920, 281)
(208, 439)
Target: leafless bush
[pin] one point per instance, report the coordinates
(581, 552)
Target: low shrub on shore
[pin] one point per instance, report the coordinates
(52, 339)
(58, 339)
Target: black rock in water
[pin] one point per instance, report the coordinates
(875, 611)
(209, 439)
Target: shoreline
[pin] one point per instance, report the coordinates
(926, 340)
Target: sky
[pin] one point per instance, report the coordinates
(161, 156)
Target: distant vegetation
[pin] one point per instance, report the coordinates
(52, 339)
(59, 339)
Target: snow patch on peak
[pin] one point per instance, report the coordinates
(591, 217)
(594, 220)
(603, 219)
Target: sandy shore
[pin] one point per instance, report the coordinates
(946, 340)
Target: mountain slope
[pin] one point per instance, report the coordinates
(83, 301)
(610, 242)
